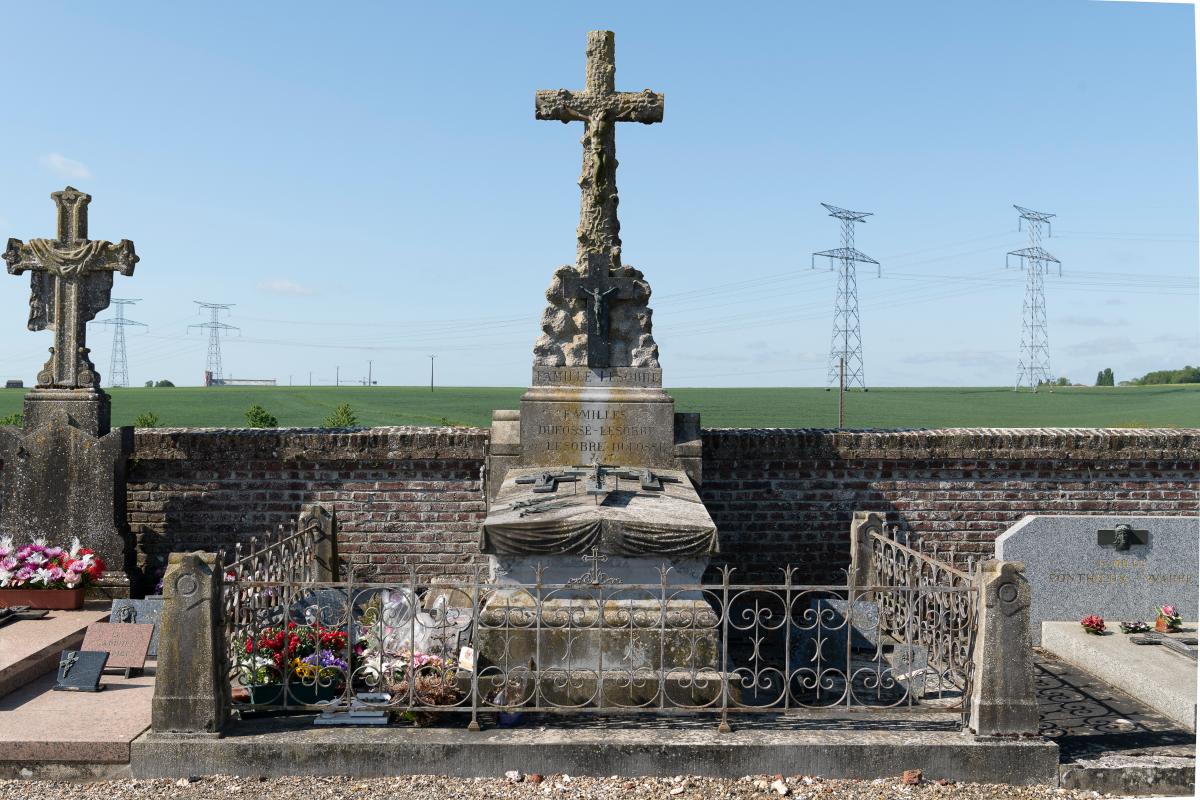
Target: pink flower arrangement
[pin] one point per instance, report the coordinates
(1093, 624)
(40, 566)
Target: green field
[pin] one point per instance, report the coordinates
(1143, 406)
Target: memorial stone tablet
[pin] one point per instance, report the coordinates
(127, 644)
(141, 612)
(80, 670)
(1120, 568)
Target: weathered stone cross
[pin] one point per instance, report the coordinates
(598, 251)
(70, 280)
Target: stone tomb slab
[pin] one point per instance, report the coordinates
(1075, 569)
(627, 521)
(126, 644)
(1151, 674)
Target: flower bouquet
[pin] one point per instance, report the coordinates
(1168, 619)
(1134, 626)
(418, 680)
(39, 575)
(1093, 624)
(309, 658)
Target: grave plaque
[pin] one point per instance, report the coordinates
(80, 670)
(127, 644)
(143, 612)
(1121, 568)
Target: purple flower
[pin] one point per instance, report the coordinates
(24, 574)
(8, 564)
(53, 552)
(55, 574)
(72, 578)
(78, 566)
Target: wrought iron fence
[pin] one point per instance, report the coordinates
(943, 624)
(425, 649)
(282, 558)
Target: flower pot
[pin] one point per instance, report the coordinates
(53, 599)
(298, 694)
(1161, 625)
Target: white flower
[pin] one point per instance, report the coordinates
(6, 578)
(35, 559)
(6, 545)
(75, 545)
(41, 576)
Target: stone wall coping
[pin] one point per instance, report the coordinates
(415, 442)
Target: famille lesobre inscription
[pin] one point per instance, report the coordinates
(603, 430)
(592, 376)
(1123, 571)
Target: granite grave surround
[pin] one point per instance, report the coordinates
(29, 649)
(1163, 680)
(1077, 566)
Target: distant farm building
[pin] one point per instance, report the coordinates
(209, 380)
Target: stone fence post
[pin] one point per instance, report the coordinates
(326, 557)
(191, 689)
(862, 553)
(1003, 698)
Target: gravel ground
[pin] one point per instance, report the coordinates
(533, 787)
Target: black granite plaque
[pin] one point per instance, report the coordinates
(80, 670)
(139, 612)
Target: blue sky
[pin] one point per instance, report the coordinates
(367, 181)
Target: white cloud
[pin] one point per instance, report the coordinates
(282, 286)
(65, 167)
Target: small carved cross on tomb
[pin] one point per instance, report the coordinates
(71, 281)
(68, 660)
(598, 251)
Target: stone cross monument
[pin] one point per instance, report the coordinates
(597, 466)
(64, 472)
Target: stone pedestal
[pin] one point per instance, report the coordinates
(64, 477)
(191, 691)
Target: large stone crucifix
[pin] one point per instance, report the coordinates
(71, 281)
(598, 251)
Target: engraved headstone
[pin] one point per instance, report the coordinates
(1120, 568)
(64, 470)
(127, 644)
(141, 612)
(80, 670)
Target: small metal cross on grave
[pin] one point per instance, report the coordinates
(71, 281)
(598, 251)
(68, 660)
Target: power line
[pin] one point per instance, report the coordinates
(845, 349)
(214, 327)
(1034, 365)
(118, 365)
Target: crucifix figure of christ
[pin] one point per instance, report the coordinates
(598, 251)
(71, 281)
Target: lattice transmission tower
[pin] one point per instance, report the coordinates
(118, 365)
(1034, 365)
(214, 327)
(846, 345)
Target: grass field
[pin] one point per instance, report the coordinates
(1149, 406)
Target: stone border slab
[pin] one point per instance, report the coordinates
(1151, 674)
(255, 749)
(30, 648)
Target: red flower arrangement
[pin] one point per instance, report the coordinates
(1093, 624)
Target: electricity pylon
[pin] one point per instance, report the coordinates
(214, 327)
(118, 364)
(845, 349)
(1034, 364)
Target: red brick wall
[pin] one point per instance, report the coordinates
(410, 496)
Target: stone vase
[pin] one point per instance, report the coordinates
(53, 599)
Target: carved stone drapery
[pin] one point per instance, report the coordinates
(70, 281)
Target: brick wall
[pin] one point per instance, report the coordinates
(410, 496)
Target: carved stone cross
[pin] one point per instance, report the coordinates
(598, 251)
(71, 281)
